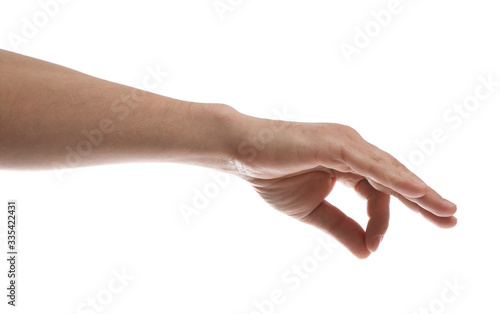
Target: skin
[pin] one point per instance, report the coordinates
(45, 110)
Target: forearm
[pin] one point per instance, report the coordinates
(53, 116)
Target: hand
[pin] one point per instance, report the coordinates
(294, 166)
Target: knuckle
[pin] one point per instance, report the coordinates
(348, 131)
(396, 164)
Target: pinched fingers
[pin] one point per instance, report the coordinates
(378, 213)
(377, 207)
(343, 228)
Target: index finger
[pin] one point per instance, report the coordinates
(376, 164)
(381, 168)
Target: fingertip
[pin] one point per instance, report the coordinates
(374, 243)
(451, 223)
(362, 254)
(357, 247)
(441, 222)
(451, 207)
(443, 208)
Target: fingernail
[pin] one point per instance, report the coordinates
(420, 184)
(448, 203)
(377, 243)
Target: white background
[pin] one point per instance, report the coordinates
(264, 57)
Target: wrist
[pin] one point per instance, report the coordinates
(239, 137)
(261, 144)
(204, 134)
(227, 129)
